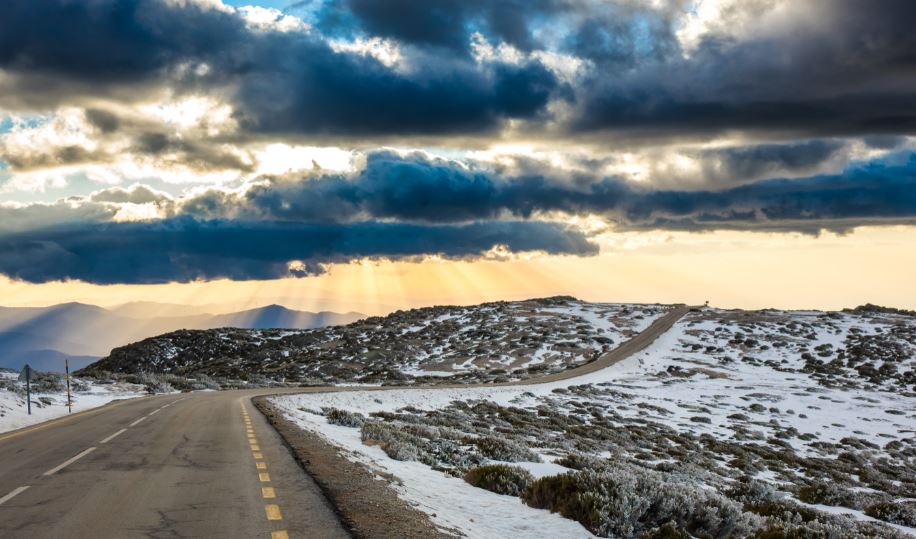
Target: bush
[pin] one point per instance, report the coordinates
(336, 416)
(396, 443)
(505, 450)
(47, 382)
(626, 501)
(500, 478)
(903, 513)
(580, 461)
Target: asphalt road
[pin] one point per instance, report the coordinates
(189, 465)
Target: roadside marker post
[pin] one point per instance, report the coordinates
(69, 401)
(28, 387)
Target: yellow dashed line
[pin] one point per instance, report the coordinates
(273, 512)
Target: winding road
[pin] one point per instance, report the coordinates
(203, 464)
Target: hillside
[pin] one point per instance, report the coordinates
(488, 341)
(46, 335)
(731, 424)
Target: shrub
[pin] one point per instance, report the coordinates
(396, 443)
(903, 513)
(495, 448)
(500, 478)
(336, 416)
(580, 461)
(626, 501)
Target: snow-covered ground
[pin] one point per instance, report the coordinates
(46, 406)
(798, 378)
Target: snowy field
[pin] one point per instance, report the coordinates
(810, 408)
(51, 405)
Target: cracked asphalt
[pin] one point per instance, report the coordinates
(186, 470)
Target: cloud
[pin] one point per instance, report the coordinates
(825, 68)
(418, 188)
(277, 81)
(188, 250)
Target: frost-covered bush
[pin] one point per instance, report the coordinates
(753, 492)
(157, 387)
(500, 478)
(392, 439)
(903, 513)
(47, 382)
(785, 519)
(504, 449)
(581, 461)
(336, 416)
(626, 501)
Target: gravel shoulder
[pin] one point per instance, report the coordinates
(365, 504)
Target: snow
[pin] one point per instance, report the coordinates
(718, 389)
(451, 502)
(14, 413)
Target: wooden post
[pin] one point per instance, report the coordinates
(28, 388)
(69, 401)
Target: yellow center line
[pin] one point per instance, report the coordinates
(273, 512)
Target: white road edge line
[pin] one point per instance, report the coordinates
(112, 437)
(68, 462)
(17, 491)
(153, 412)
(137, 422)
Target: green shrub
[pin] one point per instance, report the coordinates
(500, 478)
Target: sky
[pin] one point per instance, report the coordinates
(379, 154)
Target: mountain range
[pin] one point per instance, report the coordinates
(44, 336)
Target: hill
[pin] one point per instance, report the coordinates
(83, 332)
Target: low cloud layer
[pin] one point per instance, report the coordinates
(417, 188)
(185, 250)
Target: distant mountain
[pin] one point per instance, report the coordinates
(154, 309)
(278, 316)
(48, 360)
(48, 334)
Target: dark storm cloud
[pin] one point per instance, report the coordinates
(439, 23)
(840, 67)
(417, 189)
(735, 165)
(279, 82)
(854, 72)
(186, 250)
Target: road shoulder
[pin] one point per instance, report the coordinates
(366, 506)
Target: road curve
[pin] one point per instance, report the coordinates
(626, 349)
(173, 466)
(198, 464)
